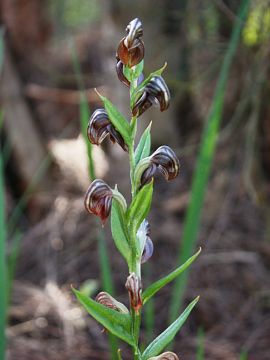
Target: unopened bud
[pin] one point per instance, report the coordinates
(134, 288)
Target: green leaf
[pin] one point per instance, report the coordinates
(117, 119)
(117, 323)
(156, 286)
(144, 146)
(140, 206)
(168, 335)
(119, 231)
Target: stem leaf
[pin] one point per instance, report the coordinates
(159, 284)
(119, 231)
(117, 323)
(118, 120)
(140, 206)
(168, 335)
(144, 146)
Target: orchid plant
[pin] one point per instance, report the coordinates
(129, 226)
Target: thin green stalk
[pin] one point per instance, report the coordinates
(3, 267)
(204, 163)
(104, 262)
(200, 346)
(136, 266)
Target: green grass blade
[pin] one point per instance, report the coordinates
(205, 159)
(3, 268)
(200, 346)
(12, 262)
(104, 262)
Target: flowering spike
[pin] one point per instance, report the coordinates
(155, 91)
(100, 126)
(134, 288)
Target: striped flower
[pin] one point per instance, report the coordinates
(155, 92)
(131, 48)
(100, 126)
(98, 199)
(164, 160)
(107, 300)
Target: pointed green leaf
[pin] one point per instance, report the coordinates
(140, 206)
(168, 335)
(143, 148)
(149, 77)
(156, 286)
(117, 119)
(117, 323)
(119, 231)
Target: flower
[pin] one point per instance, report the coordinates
(155, 91)
(131, 48)
(134, 287)
(98, 199)
(148, 246)
(107, 300)
(99, 127)
(163, 159)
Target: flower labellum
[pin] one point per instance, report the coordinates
(155, 91)
(168, 355)
(134, 288)
(120, 73)
(131, 48)
(110, 302)
(165, 160)
(100, 126)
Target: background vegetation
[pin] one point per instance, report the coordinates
(52, 55)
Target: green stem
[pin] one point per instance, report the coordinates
(136, 264)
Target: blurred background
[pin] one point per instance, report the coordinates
(52, 56)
